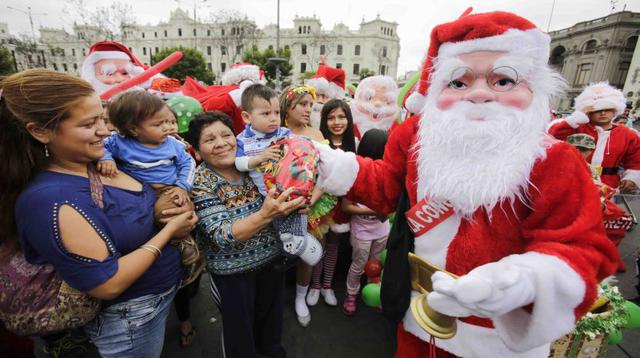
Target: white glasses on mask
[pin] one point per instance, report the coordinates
(499, 79)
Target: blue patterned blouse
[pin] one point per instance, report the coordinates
(219, 203)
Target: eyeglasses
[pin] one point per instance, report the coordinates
(499, 79)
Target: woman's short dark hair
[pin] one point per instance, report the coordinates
(129, 109)
(348, 138)
(202, 120)
(373, 143)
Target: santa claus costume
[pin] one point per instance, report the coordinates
(375, 105)
(524, 228)
(227, 97)
(102, 70)
(617, 148)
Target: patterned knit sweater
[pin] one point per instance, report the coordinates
(219, 203)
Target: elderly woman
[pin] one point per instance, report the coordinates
(235, 234)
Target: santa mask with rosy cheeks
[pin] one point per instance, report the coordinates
(375, 103)
(110, 72)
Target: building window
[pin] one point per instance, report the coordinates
(209, 50)
(223, 50)
(143, 35)
(630, 44)
(73, 52)
(391, 32)
(623, 69)
(157, 50)
(287, 48)
(239, 49)
(208, 32)
(209, 66)
(338, 65)
(356, 51)
(75, 66)
(270, 47)
(64, 66)
(179, 32)
(589, 46)
(339, 50)
(55, 66)
(383, 70)
(84, 52)
(144, 51)
(303, 67)
(356, 68)
(165, 33)
(222, 32)
(299, 29)
(583, 75)
(195, 33)
(62, 52)
(303, 49)
(53, 52)
(155, 34)
(223, 66)
(384, 52)
(322, 49)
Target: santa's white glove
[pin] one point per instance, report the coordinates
(337, 170)
(236, 94)
(488, 291)
(577, 118)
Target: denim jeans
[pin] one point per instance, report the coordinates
(134, 328)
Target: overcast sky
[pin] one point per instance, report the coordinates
(415, 18)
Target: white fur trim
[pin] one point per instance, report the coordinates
(415, 102)
(337, 170)
(323, 86)
(600, 96)
(341, 228)
(601, 145)
(473, 341)
(559, 289)
(241, 73)
(577, 118)
(633, 175)
(533, 41)
(236, 96)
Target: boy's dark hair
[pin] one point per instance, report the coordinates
(202, 120)
(348, 137)
(129, 109)
(373, 143)
(253, 91)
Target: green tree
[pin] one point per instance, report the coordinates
(192, 64)
(365, 72)
(261, 59)
(7, 66)
(306, 75)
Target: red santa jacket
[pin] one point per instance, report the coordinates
(559, 231)
(215, 98)
(615, 148)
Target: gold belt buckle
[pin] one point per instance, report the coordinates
(435, 323)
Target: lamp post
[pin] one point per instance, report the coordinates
(277, 61)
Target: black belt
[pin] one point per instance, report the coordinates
(610, 171)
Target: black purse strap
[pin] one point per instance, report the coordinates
(396, 281)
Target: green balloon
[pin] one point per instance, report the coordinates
(634, 315)
(371, 295)
(185, 109)
(615, 337)
(383, 257)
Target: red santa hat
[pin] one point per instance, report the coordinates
(106, 50)
(329, 81)
(494, 31)
(599, 96)
(242, 71)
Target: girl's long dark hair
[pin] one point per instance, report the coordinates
(38, 96)
(348, 137)
(373, 143)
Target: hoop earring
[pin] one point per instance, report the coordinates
(46, 151)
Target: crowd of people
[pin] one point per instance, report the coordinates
(129, 199)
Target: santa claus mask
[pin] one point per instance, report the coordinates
(110, 72)
(482, 130)
(375, 104)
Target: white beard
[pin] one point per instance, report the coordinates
(479, 164)
(101, 87)
(315, 116)
(365, 123)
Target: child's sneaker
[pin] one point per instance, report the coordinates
(329, 296)
(313, 296)
(350, 305)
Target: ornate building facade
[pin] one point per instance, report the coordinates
(594, 51)
(374, 46)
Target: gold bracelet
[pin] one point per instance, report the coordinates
(155, 254)
(153, 247)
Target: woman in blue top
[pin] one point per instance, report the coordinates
(52, 131)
